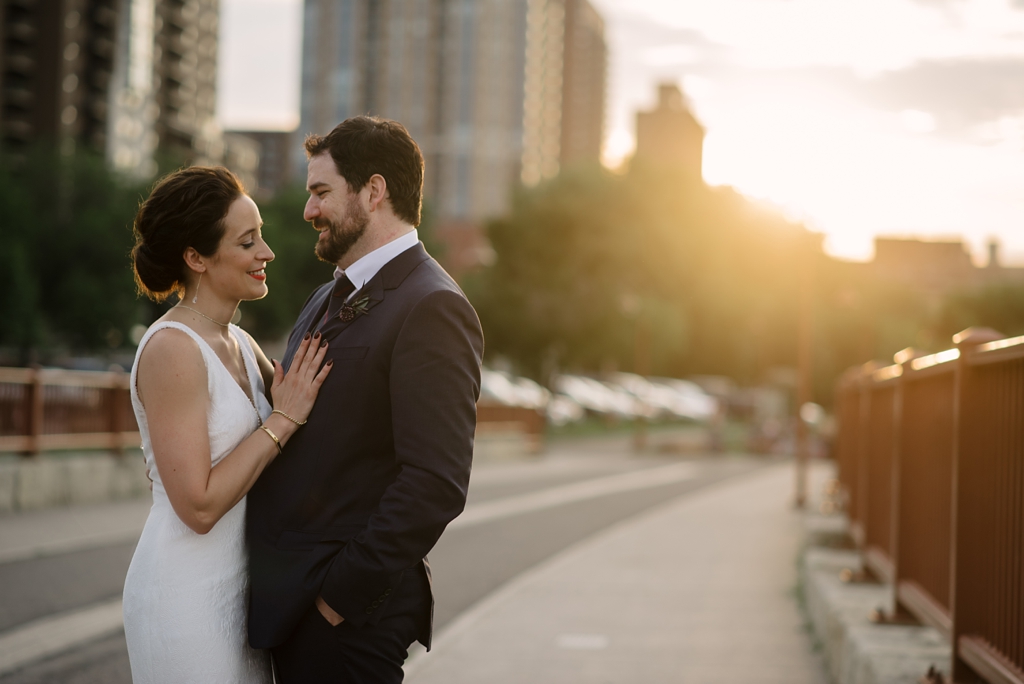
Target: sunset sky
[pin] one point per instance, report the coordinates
(892, 117)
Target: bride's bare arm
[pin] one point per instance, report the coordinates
(172, 384)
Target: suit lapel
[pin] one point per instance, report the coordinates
(389, 277)
(308, 319)
(374, 293)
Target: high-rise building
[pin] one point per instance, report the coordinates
(274, 151)
(185, 82)
(669, 135)
(132, 139)
(56, 61)
(125, 77)
(563, 108)
(496, 92)
(583, 89)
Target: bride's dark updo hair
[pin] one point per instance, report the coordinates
(185, 209)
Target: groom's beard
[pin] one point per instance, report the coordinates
(341, 236)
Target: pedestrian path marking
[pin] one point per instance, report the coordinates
(497, 509)
(55, 634)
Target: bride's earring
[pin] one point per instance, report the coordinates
(194, 299)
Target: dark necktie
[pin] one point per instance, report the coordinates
(343, 287)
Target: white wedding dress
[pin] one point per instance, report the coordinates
(186, 594)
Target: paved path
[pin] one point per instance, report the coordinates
(56, 531)
(700, 590)
(696, 590)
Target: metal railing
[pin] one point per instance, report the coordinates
(46, 409)
(500, 417)
(931, 458)
(49, 409)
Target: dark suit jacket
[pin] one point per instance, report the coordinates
(364, 490)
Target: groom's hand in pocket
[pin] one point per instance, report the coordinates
(328, 612)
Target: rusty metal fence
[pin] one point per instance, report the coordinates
(931, 459)
(44, 409)
(49, 409)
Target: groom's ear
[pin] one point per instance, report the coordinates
(378, 189)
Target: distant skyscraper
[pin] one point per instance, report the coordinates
(670, 136)
(274, 163)
(56, 59)
(132, 139)
(125, 77)
(583, 91)
(494, 91)
(185, 82)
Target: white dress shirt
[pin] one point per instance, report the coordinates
(360, 272)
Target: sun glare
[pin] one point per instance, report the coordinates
(805, 108)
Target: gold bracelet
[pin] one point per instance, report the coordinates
(288, 417)
(273, 437)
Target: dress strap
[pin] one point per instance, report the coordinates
(155, 328)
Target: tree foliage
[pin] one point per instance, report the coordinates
(65, 226)
(998, 306)
(591, 264)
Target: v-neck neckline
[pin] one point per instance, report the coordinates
(245, 366)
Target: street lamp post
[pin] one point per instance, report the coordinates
(804, 364)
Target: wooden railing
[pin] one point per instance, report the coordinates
(931, 459)
(45, 409)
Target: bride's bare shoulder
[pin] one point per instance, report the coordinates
(171, 358)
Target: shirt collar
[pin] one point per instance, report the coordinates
(360, 272)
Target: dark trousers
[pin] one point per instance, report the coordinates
(317, 653)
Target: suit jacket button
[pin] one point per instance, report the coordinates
(387, 592)
(369, 610)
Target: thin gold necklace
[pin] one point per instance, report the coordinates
(223, 325)
(245, 366)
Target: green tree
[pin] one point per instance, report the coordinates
(586, 258)
(65, 223)
(999, 306)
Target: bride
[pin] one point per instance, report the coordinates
(208, 431)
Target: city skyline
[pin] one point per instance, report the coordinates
(920, 134)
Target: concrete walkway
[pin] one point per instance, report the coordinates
(53, 531)
(701, 590)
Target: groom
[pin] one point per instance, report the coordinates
(340, 524)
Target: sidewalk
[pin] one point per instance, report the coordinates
(52, 531)
(701, 590)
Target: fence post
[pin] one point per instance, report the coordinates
(959, 580)
(903, 358)
(860, 506)
(35, 411)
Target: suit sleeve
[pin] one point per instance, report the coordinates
(434, 386)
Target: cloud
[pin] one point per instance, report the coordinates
(960, 94)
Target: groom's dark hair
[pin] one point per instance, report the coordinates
(366, 145)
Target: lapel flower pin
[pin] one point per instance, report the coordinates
(349, 311)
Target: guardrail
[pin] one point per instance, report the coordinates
(931, 459)
(48, 409)
(45, 409)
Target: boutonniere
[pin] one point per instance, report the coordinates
(349, 311)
